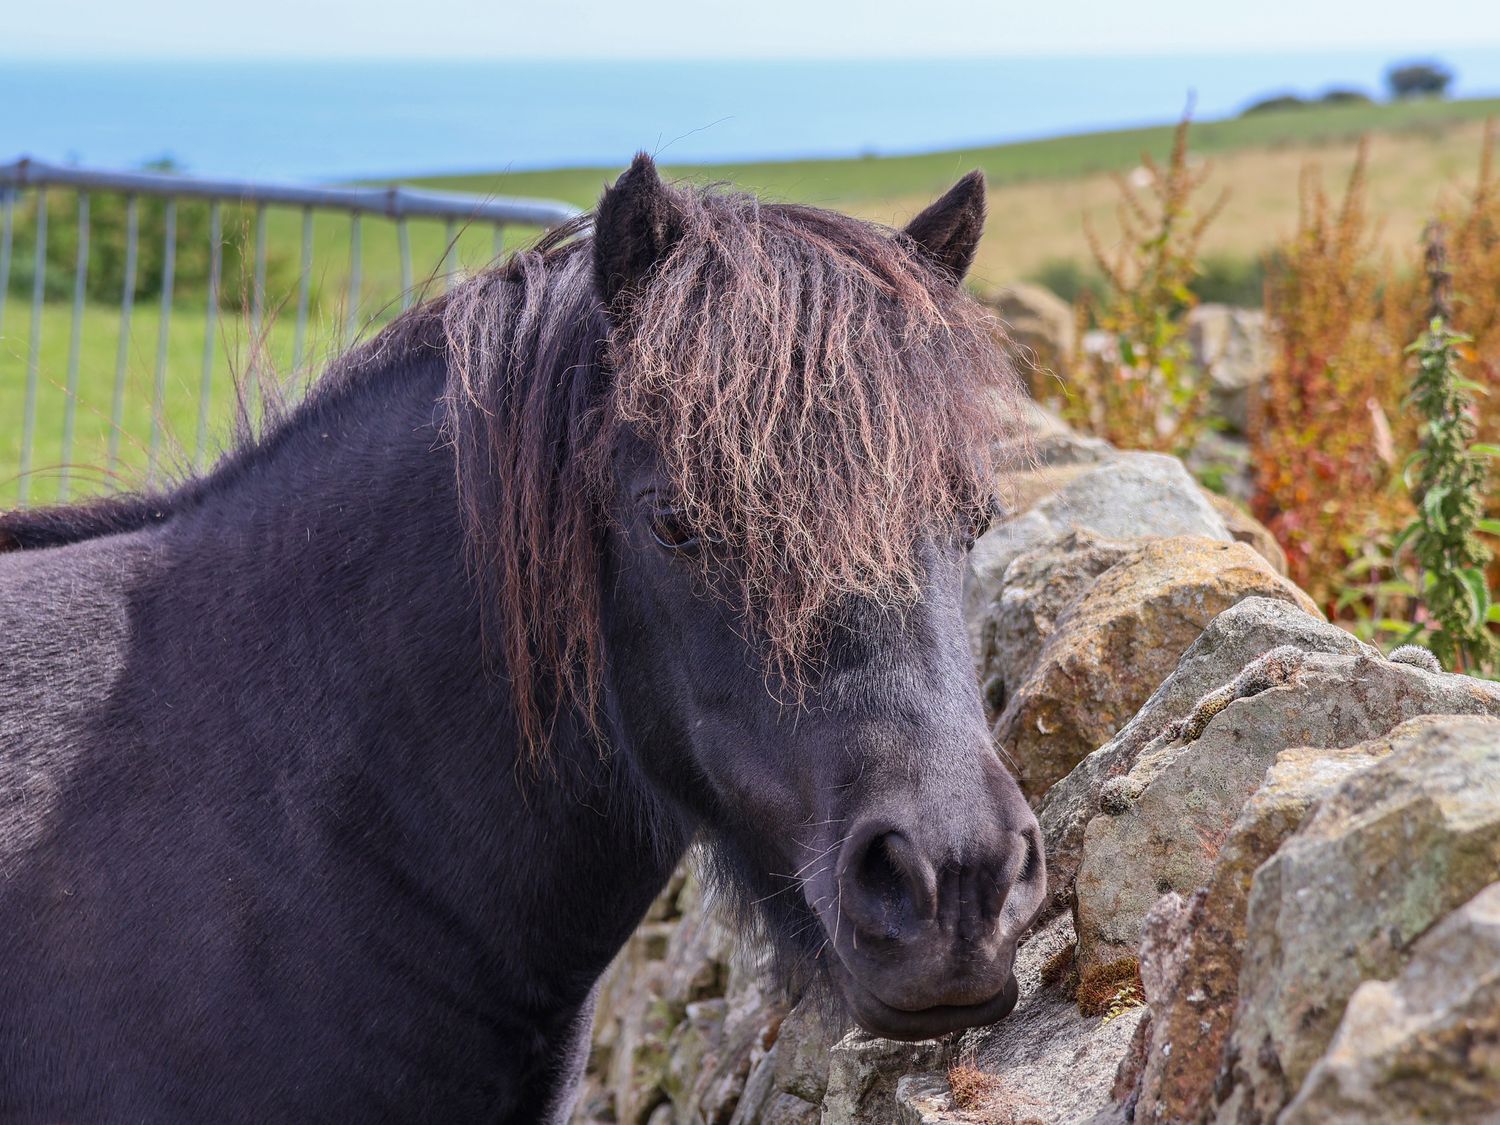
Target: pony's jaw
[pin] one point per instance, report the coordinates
(878, 1018)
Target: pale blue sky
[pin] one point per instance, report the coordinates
(754, 28)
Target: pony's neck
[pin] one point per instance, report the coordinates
(329, 578)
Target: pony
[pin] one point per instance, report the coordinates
(332, 780)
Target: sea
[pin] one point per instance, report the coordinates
(329, 121)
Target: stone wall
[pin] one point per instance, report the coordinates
(1274, 859)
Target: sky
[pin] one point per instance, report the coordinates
(739, 28)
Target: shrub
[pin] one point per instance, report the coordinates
(1474, 258)
(972, 1087)
(1111, 989)
(1321, 442)
(1228, 279)
(1342, 95)
(1146, 391)
(1069, 279)
(1276, 103)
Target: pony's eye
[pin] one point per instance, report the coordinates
(669, 529)
(982, 520)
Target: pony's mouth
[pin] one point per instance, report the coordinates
(877, 1017)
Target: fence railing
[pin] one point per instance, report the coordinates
(125, 253)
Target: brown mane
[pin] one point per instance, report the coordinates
(819, 394)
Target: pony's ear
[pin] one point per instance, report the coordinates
(635, 226)
(948, 232)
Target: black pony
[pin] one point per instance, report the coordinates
(331, 782)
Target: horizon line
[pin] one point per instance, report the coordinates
(1399, 52)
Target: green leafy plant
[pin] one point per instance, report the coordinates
(1448, 477)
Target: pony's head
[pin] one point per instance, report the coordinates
(724, 517)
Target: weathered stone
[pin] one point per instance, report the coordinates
(1117, 642)
(1131, 495)
(692, 1048)
(1387, 853)
(1048, 1063)
(1190, 951)
(795, 1065)
(1232, 640)
(785, 1109)
(662, 1011)
(925, 1099)
(1422, 1047)
(1039, 586)
(714, 1049)
(1063, 459)
(1053, 1063)
(1248, 530)
(863, 1072)
(1057, 446)
(1231, 345)
(1193, 791)
(1039, 326)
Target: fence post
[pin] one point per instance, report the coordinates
(163, 339)
(210, 319)
(351, 327)
(34, 346)
(304, 288)
(7, 210)
(75, 339)
(122, 347)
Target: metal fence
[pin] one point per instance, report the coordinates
(25, 203)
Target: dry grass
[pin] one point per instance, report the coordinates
(1059, 965)
(972, 1087)
(1111, 988)
(983, 1098)
(1033, 223)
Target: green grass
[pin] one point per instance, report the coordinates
(175, 421)
(1040, 192)
(1056, 158)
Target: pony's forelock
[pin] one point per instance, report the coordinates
(819, 398)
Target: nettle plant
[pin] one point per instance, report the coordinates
(1448, 479)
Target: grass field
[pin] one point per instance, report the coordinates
(174, 418)
(1041, 191)
(1041, 194)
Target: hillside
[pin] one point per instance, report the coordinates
(1042, 191)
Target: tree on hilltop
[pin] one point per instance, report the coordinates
(1418, 80)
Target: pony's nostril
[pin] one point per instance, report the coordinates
(891, 882)
(1032, 863)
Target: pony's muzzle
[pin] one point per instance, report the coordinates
(925, 927)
